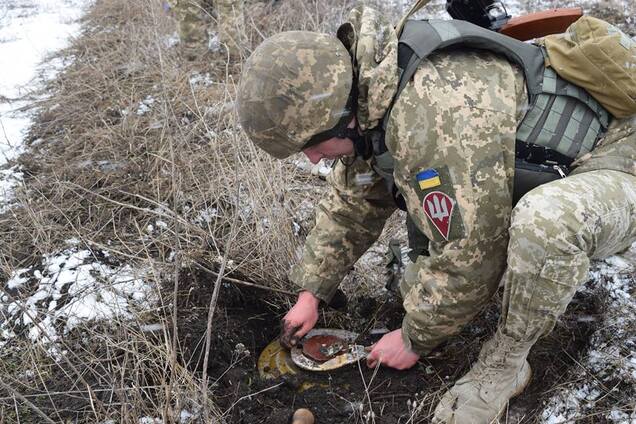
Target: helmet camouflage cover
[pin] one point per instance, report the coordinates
(294, 86)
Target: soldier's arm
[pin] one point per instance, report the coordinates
(453, 129)
(348, 220)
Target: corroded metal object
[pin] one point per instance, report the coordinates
(337, 347)
(324, 347)
(275, 361)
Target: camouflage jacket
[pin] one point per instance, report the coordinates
(451, 133)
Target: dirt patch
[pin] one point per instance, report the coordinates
(248, 320)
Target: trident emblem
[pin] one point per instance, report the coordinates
(438, 207)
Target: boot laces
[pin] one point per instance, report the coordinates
(492, 360)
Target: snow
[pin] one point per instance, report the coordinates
(30, 30)
(322, 168)
(145, 105)
(67, 289)
(71, 287)
(612, 353)
(150, 420)
(197, 79)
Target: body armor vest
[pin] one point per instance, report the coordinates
(562, 122)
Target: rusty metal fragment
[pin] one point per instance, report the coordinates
(336, 346)
(323, 347)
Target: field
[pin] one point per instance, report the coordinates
(145, 245)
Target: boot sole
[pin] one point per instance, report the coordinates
(520, 390)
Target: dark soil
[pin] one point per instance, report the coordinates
(250, 317)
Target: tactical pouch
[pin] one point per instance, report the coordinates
(531, 175)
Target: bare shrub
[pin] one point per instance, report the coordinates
(137, 152)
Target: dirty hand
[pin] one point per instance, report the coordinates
(391, 352)
(300, 319)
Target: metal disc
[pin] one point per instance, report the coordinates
(353, 353)
(275, 361)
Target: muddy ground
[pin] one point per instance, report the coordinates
(250, 317)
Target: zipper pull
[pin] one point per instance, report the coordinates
(559, 170)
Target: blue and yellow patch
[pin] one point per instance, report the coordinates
(428, 179)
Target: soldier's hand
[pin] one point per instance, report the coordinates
(391, 352)
(300, 319)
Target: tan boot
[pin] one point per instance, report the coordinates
(481, 396)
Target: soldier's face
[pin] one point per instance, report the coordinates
(332, 148)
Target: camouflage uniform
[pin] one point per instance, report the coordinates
(231, 24)
(193, 25)
(458, 116)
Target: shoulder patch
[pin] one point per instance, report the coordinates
(438, 207)
(437, 203)
(428, 179)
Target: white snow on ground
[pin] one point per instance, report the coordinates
(29, 31)
(612, 354)
(65, 290)
(322, 168)
(70, 287)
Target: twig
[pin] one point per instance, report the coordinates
(244, 283)
(27, 401)
(215, 295)
(242, 398)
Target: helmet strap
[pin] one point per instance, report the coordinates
(341, 129)
(361, 145)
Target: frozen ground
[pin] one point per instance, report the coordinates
(30, 30)
(73, 286)
(610, 363)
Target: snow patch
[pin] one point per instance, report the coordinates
(611, 358)
(322, 168)
(206, 216)
(68, 289)
(200, 80)
(29, 31)
(145, 105)
(9, 180)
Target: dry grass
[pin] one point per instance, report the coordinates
(164, 190)
(174, 188)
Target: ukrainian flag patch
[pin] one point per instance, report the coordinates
(428, 179)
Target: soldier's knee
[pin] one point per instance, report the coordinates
(543, 221)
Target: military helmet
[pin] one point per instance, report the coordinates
(296, 91)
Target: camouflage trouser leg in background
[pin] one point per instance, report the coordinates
(191, 26)
(556, 229)
(231, 24)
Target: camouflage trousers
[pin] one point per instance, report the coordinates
(192, 24)
(556, 230)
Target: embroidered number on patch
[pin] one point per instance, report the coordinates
(439, 207)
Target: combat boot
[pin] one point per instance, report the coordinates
(481, 396)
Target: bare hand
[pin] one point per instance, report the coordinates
(300, 319)
(391, 352)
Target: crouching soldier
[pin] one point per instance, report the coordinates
(454, 136)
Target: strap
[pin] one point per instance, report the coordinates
(420, 38)
(416, 6)
(341, 128)
(536, 154)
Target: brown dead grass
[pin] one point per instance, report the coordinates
(140, 187)
(136, 185)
